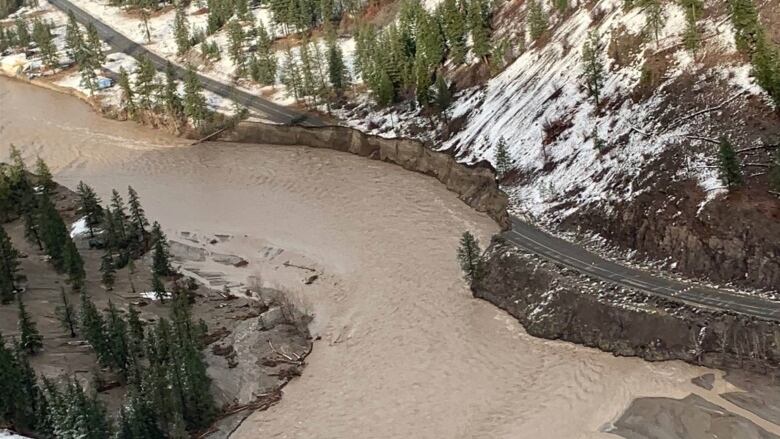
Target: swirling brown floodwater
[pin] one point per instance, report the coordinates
(406, 352)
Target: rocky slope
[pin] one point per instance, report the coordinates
(557, 303)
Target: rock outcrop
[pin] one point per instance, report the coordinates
(557, 303)
(475, 184)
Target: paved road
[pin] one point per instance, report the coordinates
(560, 251)
(523, 234)
(273, 112)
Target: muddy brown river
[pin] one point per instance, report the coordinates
(406, 352)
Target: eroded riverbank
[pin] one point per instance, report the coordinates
(405, 351)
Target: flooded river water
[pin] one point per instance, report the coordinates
(406, 352)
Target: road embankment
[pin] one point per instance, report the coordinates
(475, 184)
(556, 303)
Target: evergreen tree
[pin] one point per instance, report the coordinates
(766, 67)
(728, 164)
(30, 339)
(31, 408)
(73, 265)
(692, 36)
(181, 30)
(538, 22)
(236, 38)
(194, 103)
(145, 85)
(10, 390)
(562, 5)
(479, 24)
(45, 179)
(52, 230)
(470, 257)
(9, 266)
(117, 339)
(76, 415)
(443, 93)
(135, 332)
(503, 158)
(89, 207)
(93, 328)
(128, 96)
(119, 215)
(94, 43)
(139, 419)
(655, 18)
(265, 63)
(138, 219)
(593, 66)
(23, 38)
(747, 28)
(158, 287)
(74, 40)
(454, 27)
(291, 74)
(337, 70)
(45, 41)
(67, 315)
(108, 270)
(171, 97)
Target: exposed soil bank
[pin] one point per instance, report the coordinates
(557, 303)
(475, 184)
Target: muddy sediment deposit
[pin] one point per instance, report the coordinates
(557, 303)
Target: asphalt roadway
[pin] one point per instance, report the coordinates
(522, 234)
(267, 109)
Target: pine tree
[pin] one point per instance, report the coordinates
(138, 219)
(45, 42)
(538, 22)
(266, 63)
(45, 179)
(139, 419)
(23, 37)
(30, 339)
(52, 230)
(454, 27)
(503, 158)
(593, 66)
(194, 103)
(76, 415)
(108, 270)
(11, 392)
(66, 314)
(30, 409)
(562, 5)
(94, 43)
(692, 36)
(181, 30)
(119, 215)
(766, 67)
(73, 265)
(171, 97)
(747, 28)
(145, 86)
(117, 339)
(470, 257)
(443, 93)
(291, 74)
(73, 37)
(236, 38)
(158, 287)
(655, 18)
(128, 96)
(9, 266)
(89, 207)
(479, 24)
(337, 70)
(728, 164)
(93, 328)
(135, 332)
